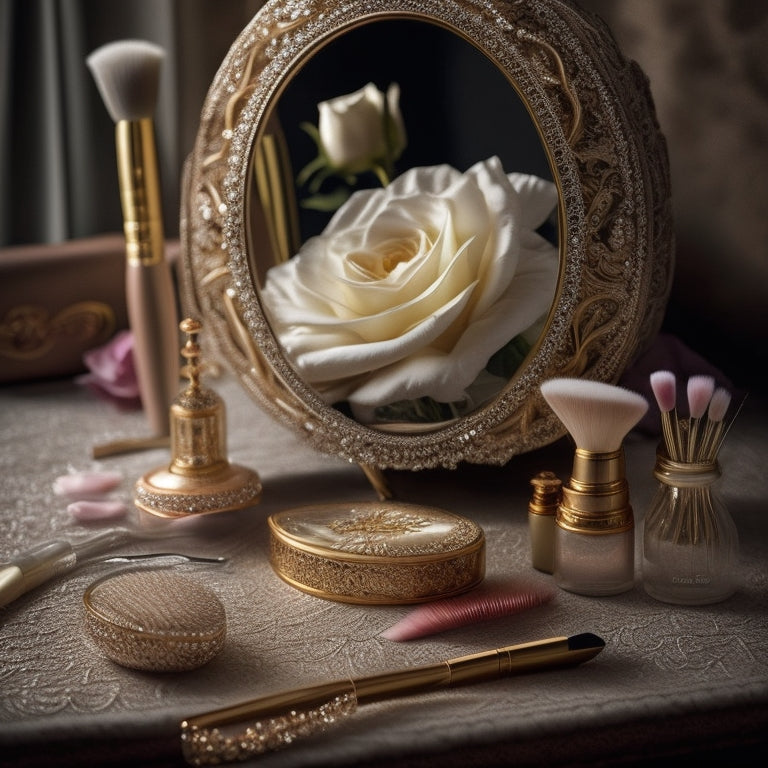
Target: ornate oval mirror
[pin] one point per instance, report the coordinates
(403, 313)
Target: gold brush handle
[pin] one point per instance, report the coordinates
(279, 719)
(139, 181)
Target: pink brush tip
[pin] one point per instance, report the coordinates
(718, 405)
(700, 389)
(664, 386)
(482, 604)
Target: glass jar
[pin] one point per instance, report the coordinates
(690, 542)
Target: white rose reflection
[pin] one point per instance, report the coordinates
(362, 129)
(358, 133)
(411, 289)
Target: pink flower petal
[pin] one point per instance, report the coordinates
(86, 484)
(88, 511)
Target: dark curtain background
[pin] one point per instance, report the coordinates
(706, 63)
(58, 177)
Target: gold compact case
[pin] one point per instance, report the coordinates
(377, 552)
(155, 620)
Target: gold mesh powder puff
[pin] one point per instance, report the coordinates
(155, 620)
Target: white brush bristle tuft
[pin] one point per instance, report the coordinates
(597, 415)
(127, 74)
(664, 386)
(700, 389)
(719, 404)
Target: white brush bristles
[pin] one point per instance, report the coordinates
(700, 389)
(597, 415)
(664, 386)
(127, 74)
(719, 404)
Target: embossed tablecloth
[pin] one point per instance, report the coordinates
(669, 681)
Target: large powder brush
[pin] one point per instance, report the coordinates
(597, 415)
(595, 502)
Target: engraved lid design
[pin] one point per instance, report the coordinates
(377, 552)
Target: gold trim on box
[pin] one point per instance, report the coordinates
(377, 552)
(28, 331)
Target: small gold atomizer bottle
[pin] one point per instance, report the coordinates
(542, 509)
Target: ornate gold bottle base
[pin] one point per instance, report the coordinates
(167, 494)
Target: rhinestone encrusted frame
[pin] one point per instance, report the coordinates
(596, 119)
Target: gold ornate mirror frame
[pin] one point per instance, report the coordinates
(596, 119)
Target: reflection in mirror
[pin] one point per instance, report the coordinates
(403, 225)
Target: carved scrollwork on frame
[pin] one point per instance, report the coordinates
(594, 114)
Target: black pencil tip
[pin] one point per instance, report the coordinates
(585, 640)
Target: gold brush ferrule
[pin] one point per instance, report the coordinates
(139, 181)
(596, 500)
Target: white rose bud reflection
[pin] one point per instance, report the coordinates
(363, 129)
(412, 288)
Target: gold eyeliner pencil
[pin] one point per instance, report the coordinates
(277, 720)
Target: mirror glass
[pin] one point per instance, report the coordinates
(400, 314)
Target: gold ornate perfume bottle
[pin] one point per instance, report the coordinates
(199, 479)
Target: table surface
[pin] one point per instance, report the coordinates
(670, 681)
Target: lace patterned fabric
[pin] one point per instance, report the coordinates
(660, 661)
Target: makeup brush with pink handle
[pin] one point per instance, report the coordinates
(127, 75)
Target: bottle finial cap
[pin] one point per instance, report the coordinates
(546, 493)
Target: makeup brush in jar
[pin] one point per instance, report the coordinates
(127, 74)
